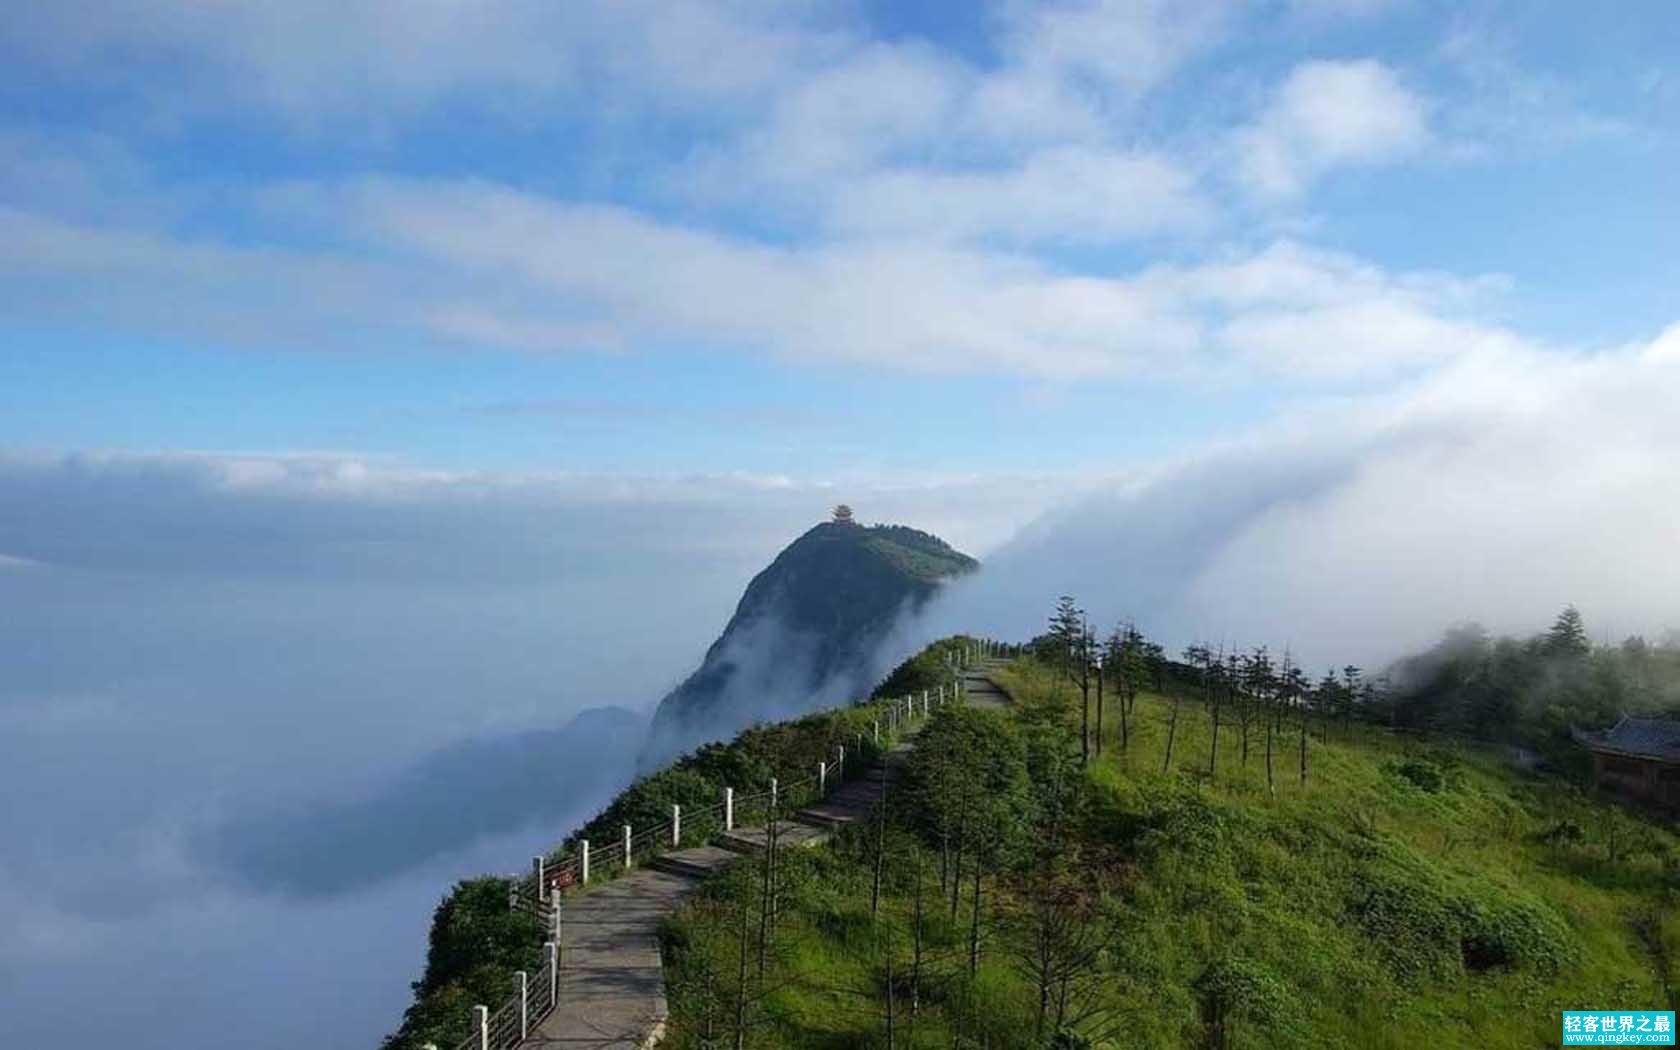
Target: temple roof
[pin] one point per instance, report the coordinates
(1656, 738)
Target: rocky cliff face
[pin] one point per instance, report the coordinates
(808, 631)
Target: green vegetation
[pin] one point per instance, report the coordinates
(1530, 691)
(920, 554)
(476, 943)
(928, 669)
(478, 940)
(1366, 889)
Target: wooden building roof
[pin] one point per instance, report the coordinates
(1652, 738)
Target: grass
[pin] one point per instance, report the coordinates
(1407, 895)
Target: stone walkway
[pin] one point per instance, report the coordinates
(979, 690)
(612, 990)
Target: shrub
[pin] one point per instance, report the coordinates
(1428, 923)
(1421, 774)
(928, 669)
(1504, 930)
(1236, 989)
(1187, 823)
(1411, 921)
(1563, 833)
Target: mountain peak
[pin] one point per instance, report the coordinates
(808, 630)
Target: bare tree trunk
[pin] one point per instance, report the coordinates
(1172, 730)
(890, 1032)
(1125, 710)
(1084, 719)
(916, 960)
(956, 882)
(944, 854)
(1245, 714)
(962, 843)
(1271, 788)
(974, 924)
(741, 983)
(880, 847)
(768, 892)
(1303, 745)
(1099, 711)
(1213, 752)
(1044, 965)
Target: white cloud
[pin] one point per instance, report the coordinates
(477, 262)
(1130, 45)
(1498, 488)
(315, 62)
(1328, 115)
(919, 306)
(1502, 105)
(904, 139)
(1060, 194)
(854, 114)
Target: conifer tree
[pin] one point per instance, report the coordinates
(1568, 635)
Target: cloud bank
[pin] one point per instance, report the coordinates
(1499, 488)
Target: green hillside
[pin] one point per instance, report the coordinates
(1408, 894)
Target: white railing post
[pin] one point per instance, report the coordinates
(822, 778)
(481, 1023)
(585, 872)
(552, 949)
(524, 1002)
(877, 730)
(559, 927)
(729, 809)
(941, 694)
(626, 845)
(772, 794)
(537, 871)
(842, 762)
(924, 703)
(676, 825)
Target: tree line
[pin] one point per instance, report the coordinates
(1529, 692)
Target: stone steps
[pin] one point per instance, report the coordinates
(753, 840)
(698, 862)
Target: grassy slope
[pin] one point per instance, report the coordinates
(1350, 905)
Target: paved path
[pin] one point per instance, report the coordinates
(612, 990)
(980, 690)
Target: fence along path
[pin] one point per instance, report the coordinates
(601, 986)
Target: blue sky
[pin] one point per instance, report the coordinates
(812, 239)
